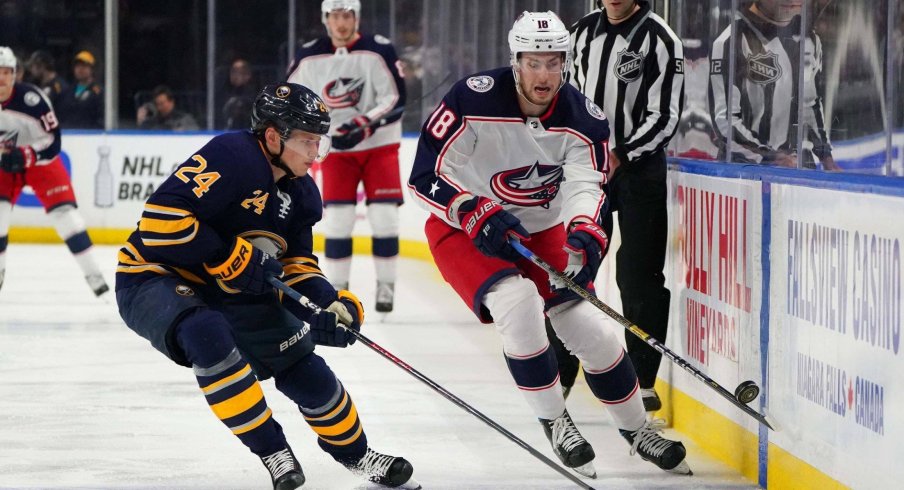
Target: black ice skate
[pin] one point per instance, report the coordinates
(284, 469)
(666, 454)
(389, 471)
(97, 284)
(385, 295)
(569, 445)
(651, 402)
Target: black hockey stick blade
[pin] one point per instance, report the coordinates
(634, 329)
(288, 291)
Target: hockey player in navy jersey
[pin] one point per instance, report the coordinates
(359, 78)
(516, 152)
(192, 279)
(30, 155)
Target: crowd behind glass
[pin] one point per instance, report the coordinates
(163, 79)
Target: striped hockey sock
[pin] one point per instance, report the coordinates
(338, 428)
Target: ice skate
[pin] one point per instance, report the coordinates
(664, 453)
(97, 284)
(389, 471)
(651, 402)
(284, 469)
(385, 294)
(569, 445)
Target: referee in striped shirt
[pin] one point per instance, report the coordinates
(631, 64)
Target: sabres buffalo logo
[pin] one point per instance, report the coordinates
(343, 92)
(534, 185)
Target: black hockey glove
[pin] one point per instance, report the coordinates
(245, 270)
(331, 326)
(18, 159)
(489, 227)
(351, 133)
(584, 246)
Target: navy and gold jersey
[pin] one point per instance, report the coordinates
(226, 190)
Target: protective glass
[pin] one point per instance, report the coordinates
(311, 145)
(553, 67)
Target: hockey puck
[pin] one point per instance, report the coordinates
(747, 392)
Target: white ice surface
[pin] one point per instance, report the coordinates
(86, 403)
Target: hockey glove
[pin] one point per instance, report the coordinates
(331, 326)
(489, 227)
(351, 133)
(245, 270)
(18, 159)
(584, 246)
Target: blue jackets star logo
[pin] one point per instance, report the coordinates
(534, 185)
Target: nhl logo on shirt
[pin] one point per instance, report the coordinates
(343, 92)
(532, 185)
(764, 69)
(480, 84)
(628, 65)
(183, 290)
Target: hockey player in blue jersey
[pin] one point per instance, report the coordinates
(30, 156)
(192, 280)
(359, 78)
(516, 152)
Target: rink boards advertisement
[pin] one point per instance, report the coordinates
(715, 282)
(114, 174)
(835, 359)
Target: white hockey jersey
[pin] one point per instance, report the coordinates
(546, 170)
(361, 79)
(27, 119)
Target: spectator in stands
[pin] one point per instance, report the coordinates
(83, 106)
(165, 115)
(42, 69)
(236, 97)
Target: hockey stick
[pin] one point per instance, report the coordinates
(378, 123)
(744, 387)
(432, 384)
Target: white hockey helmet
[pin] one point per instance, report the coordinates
(328, 6)
(539, 32)
(7, 58)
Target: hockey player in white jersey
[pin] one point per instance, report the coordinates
(30, 155)
(516, 152)
(358, 76)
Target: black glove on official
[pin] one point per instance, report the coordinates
(331, 326)
(351, 133)
(245, 270)
(584, 246)
(18, 159)
(489, 227)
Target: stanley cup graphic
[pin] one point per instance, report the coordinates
(103, 179)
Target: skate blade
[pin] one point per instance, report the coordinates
(411, 484)
(682, 469)
(586, 469)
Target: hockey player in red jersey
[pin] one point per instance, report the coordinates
(358, 77)
(192, 280)
(516, 152)
(30, 155)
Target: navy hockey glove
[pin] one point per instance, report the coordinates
(489, 227)
(245, 270)
(331, 326)
(584, 246)
(18, 159)
(351, 133)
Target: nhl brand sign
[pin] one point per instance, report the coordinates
(763, 68)
(628, 65)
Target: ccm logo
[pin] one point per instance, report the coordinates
(236, 265)
(295, 338)
(478, 215)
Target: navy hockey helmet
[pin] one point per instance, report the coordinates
(288, 106)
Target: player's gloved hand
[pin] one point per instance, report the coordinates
(584, 246)
(351, 133)
(18, 159)
(245, 270)
(331, 326)
(489, 227)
